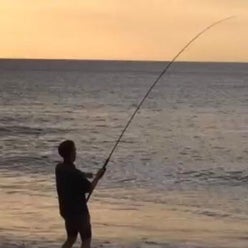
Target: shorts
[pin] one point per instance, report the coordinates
(78, 224)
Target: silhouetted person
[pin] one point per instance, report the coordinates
(72, 185)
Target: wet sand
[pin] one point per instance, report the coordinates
(121, 224)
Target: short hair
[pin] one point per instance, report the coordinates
(65, 148)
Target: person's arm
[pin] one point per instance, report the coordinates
(98, 176)
(88, 174)
(84, 184)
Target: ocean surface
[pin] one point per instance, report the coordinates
(179, 178)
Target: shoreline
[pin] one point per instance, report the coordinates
(144, 225)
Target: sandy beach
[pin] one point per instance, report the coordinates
(127, 225)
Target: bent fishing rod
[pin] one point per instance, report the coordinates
(152, 86)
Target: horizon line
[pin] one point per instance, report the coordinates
(119, 60)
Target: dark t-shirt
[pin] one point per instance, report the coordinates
(71, 186)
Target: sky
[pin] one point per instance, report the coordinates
(123, 29)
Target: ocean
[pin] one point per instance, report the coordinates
(178, 178)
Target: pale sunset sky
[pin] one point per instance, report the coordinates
(123, 29)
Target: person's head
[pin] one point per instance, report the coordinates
(67, 150)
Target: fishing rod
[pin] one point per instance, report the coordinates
(153, 85)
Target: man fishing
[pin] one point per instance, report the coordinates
(72, 185)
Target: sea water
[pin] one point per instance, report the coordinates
(179, 176)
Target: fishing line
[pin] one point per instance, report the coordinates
(153, 85)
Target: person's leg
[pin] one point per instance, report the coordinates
(85, 231)
(69, 242)
(72, 231)
(86, 243)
